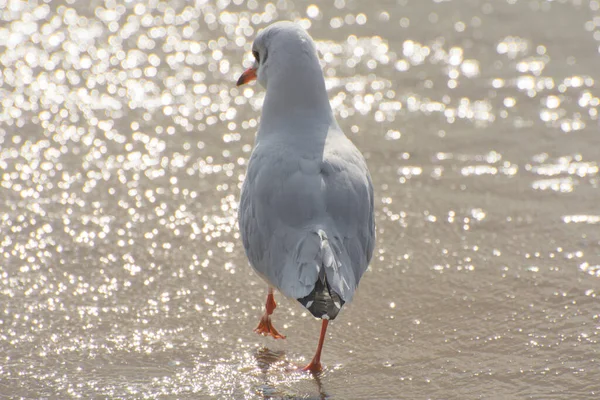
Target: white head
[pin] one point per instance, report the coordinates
(282, 47)
(287, 65)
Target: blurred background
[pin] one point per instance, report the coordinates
(124, 141)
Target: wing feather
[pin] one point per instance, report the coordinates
(299, 214)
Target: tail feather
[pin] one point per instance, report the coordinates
(323, 301)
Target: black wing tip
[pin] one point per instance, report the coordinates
(322, 302)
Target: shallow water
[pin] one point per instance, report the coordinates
(123, 142)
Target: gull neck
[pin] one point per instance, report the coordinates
(296, 100)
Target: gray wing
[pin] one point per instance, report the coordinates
(292, 208)
(349, 202)
(280, 197)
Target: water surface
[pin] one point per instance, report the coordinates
(124, 141)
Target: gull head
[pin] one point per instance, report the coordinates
(283, 50)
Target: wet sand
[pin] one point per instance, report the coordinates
(123, 144)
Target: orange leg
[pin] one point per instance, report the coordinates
(315, 364)
(264, 326)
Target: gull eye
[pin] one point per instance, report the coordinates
(255, 54)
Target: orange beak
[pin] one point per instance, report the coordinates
(247, 76)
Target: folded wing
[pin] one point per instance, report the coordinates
(309, 221)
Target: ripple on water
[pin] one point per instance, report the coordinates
(124, 141)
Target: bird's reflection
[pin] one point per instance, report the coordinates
(267, 359)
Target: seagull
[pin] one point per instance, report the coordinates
(306, 207)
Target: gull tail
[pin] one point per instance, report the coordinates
(323, 301)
